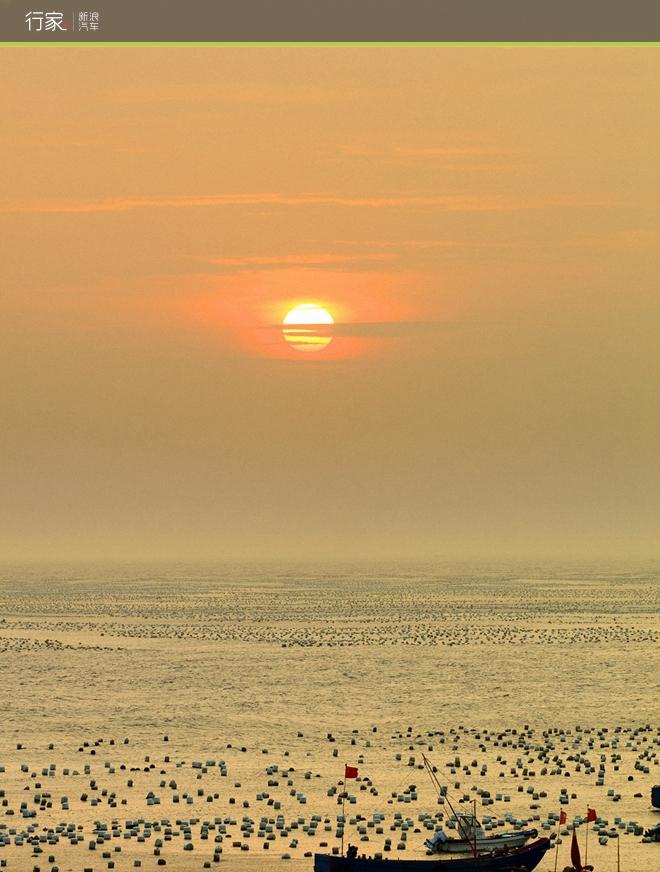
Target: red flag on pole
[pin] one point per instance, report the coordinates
(562, 817)
(350, 772)
(591, 814)
(576, 860)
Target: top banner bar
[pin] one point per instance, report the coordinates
(332, 21)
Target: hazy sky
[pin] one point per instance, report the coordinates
(481, 223)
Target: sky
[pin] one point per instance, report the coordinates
(482, 224)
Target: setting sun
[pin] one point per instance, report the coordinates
(307, 327)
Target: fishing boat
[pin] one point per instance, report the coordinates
(473, 837)
(523, 859)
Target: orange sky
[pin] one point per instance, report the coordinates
(481, 223)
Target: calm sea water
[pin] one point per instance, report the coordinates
(275, 659)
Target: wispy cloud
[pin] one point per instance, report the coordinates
(384, 330)
(241, 92)
(431, 151)
(423, 244)
(394, 329)
(423, 151)
(447, 202)
(288, 260)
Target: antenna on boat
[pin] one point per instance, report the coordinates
(343, 813)
(438, 787)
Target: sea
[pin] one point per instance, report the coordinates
(222, 701)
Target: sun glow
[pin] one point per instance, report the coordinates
(308, 327)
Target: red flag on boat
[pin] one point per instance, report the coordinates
(562, 817)
(591, 814)
(350, 772)
(576, 860)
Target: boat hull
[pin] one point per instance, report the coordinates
(655, 796)
(515, 860)
(487, 843)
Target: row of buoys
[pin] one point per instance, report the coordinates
(336, 632)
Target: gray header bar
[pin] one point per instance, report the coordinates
(330, 21)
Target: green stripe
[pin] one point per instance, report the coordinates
(96, 44)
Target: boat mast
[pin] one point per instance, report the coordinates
(438, 787)
(618, 854)
(343, 813)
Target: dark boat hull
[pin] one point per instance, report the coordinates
(526, 858)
